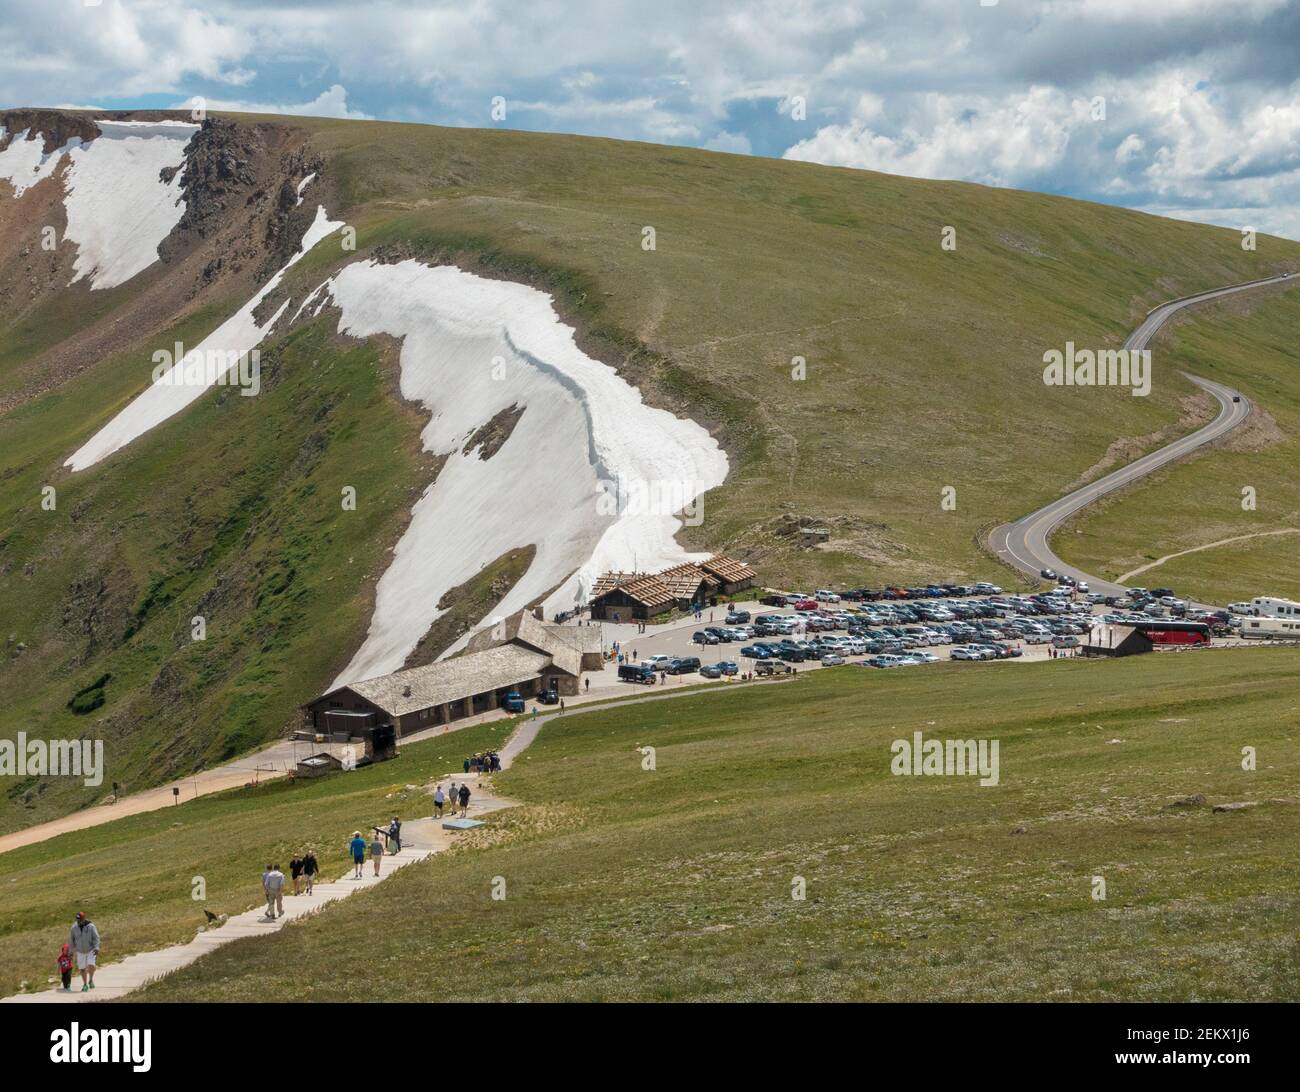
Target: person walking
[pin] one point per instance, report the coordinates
(273, 886)
(65, 963)
(587, 684)
(464, 800)
(84, 942)
(439, 799)
(295, 872)
(395, 836)
(358, 849)
(377, 849)
(310, 868)
(561, 708)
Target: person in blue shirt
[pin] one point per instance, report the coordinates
(358, 847)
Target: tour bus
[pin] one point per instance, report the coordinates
(1162, 632)
(1273, 629)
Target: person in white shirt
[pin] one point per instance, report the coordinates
(273, 885)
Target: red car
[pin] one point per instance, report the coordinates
(806, 604)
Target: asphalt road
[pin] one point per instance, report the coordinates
(1024, 544)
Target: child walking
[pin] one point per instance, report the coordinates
(65, 968)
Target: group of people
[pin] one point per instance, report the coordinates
(455, 797)
(382, 840)
(303, 869)
(487, 762)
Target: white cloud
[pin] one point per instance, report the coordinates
(332, 103)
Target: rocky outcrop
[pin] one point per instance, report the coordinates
(55, 127)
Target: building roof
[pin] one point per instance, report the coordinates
(728, 570)
(564, 644)
(684, 580)
(450, 680)
(642, 588)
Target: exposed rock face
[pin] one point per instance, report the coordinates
(219, 173)
(489, 438)
(55, 127)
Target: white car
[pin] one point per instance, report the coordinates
(825, 595)
(832, 659)
(961, 653)
(657, 661)
(923, 657)
(987, 589)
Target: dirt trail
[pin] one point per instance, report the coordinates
(1124, 579)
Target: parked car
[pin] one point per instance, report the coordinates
(755, 652)
(549, 697)
(962, 653)
(832, 659)
(637, 673)
(769, 667)
(729, 667)
(1065, 641)
(513, 702)
(711, 671)
(735, 617)
(683, 665)
(825, 595)
(658, 663)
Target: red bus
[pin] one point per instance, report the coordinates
(1174, 633)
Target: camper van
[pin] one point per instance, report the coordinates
(1272, 629)
(1262, 606)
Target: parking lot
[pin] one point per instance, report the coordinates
(675, 639)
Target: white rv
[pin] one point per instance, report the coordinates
(1262, 606)
(1271, 629)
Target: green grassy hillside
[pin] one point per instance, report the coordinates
(676, 884)
(922, 371)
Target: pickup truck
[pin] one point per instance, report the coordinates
(513, 702)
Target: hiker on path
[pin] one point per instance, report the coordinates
(464, 800)
(467, 765)
(84, 941)
(273, 885)
(357, 847)
(295, 871)
(65, 967)
(310, 868)
(377, 849)
(395, 836)
(587, 683)
(561, 710)
(439, 799)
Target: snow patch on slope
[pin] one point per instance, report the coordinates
(118, 208)
(24, 163)
(188, 378)
(471, 348)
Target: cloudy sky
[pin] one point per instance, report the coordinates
(1190, 108)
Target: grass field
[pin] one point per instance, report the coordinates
(1250, 346)
(676, 884)
(922, 370)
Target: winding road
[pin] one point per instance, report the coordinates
(1025, 545)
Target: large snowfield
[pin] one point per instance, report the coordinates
(118, 208)
(472, 347)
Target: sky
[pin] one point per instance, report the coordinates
(1187, 108)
